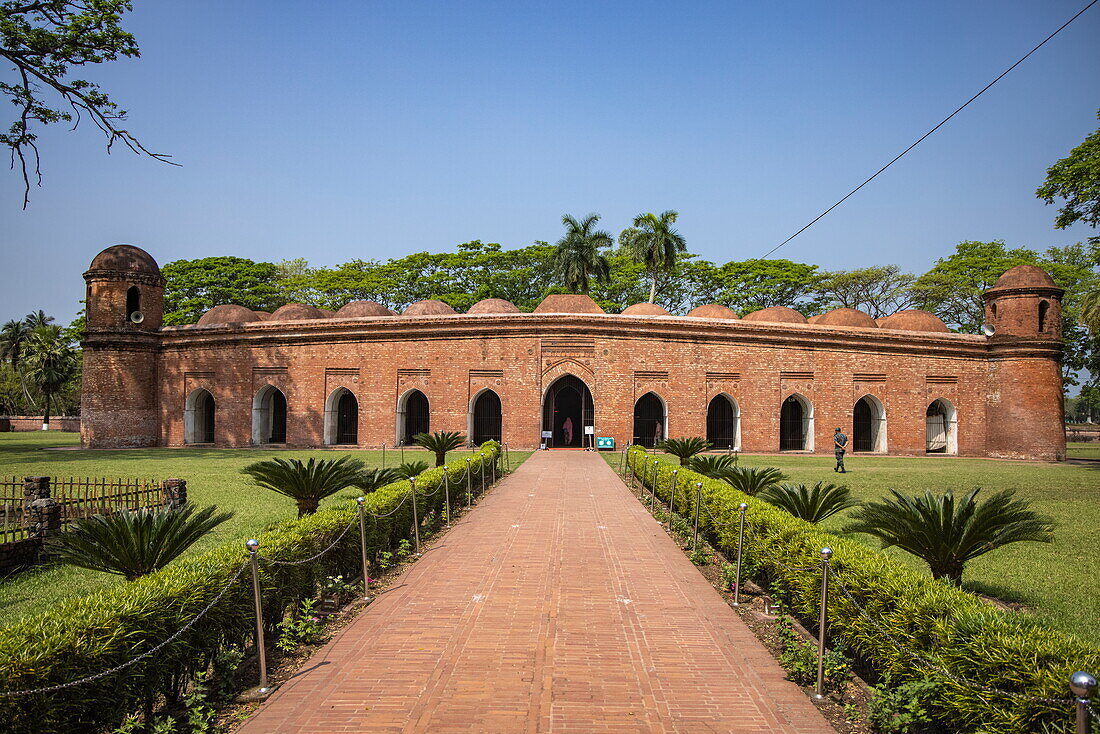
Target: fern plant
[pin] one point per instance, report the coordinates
(812, 504)
(684, 448)
(440, 443)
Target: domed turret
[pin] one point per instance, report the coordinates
(227, 314)
(776, 315)
(1025, 302)
(493, 305)
(429, 307)
(568, 303)
(125, 290)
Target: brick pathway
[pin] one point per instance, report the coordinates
(557, 605)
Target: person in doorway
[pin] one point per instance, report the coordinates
(840, 443)
(567, 429)
(657, 433)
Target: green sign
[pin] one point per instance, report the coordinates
(605, 442)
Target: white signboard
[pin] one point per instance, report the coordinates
(589, 430)
(547, 434)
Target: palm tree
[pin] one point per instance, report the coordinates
(684, 448)
(715, 466)
(1090, 311)
(946, 533)
(134, 543)
(440, 442)
(13, 341)
(578, 257)
(752, 480)
(812, 504)
(309, 483)
(412, 469)
(37, 319)
(654, 243)
(51, 362)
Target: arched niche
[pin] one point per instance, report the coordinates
(269, 416)
(413, 416)
(724, 422)
(341, 418)
(567, 408)
(796, 424)
(198, 417)
(869, 426)
(486, 417)
(650, 420)
(941, 428)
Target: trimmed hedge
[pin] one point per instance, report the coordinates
(100, 631)
(940, 622)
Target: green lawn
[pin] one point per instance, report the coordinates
(213, 477)
(1059, 580)
(1082, 450)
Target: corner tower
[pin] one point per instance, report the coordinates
(119, 404)
(1025, 410)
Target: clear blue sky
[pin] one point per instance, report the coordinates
(343, 130)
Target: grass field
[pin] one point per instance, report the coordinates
(1058, 580)
(1082, 450)
(213, 477)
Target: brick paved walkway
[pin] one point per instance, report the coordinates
(557, 605)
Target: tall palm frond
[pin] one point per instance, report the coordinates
(945, 532)
(812, 504)
(440, 443)
(1090, 311)
(412, 469)
(715, 466)
(684, 448)
(309, 483)
(37, 319)
(753, 480)
(577, 258)
(654, 243)
(134, 543)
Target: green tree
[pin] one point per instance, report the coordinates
(1076, 179)
(751, 285)
(879, 290)
(51, 363)
(195, 286)
(577, 259)
(310, 482)
(654, 243)
(135, 543)
(37, 319)
(946, 533)
(13, 342)
(41, 41)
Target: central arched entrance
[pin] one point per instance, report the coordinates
(724, 423)
(566, 409)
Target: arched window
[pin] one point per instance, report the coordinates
(198, 417)
(567, 409)
(941, 428)
(341, 418)
(869, 425)
(796, 424)
(133, 300)
(413, 416)
(485, 418)
(650, 420)
(724, 422)
(1044, 306)
(269, 416)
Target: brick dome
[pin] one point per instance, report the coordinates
(1025, 276)
(493, 305)
(850, 317)
(913, 320)
(228, 313)
(814, 319)
(568, 303)
(776, 315)
(296, 312)
(645, 309)
(713, 311)
(359, 309)
(429, 307)
(327, 314)
(264, 315)
(125, 257)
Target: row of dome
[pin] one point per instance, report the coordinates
(910, 320)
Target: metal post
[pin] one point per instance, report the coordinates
(253, 546)
(698, 501)
(672, 499)
(469, 485)
(493, 471)
(740, 544)
(645, 472)
(402, 452)
(622, 462)
(826, 554)
(653, 487)
(507, 460)
(447, 492)
(383, 456)
(416, 521)
(1083, 686)
(483, 471)
(363, 548)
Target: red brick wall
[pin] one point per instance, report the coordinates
(34, 423)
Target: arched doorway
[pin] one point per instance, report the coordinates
(796, 424)
(414, 416)
(485, 418)
(650, 420)
(566, 409)
(724, 422)
(869, 425)
(941, 425)
(198, 417)
(342, 418)
(269, 416)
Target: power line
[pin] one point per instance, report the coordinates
(937, 127)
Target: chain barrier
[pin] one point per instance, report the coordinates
(311, 559)
(760, 545)
(391, 513)
(147, 653)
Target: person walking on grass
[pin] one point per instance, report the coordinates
(840, 442)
